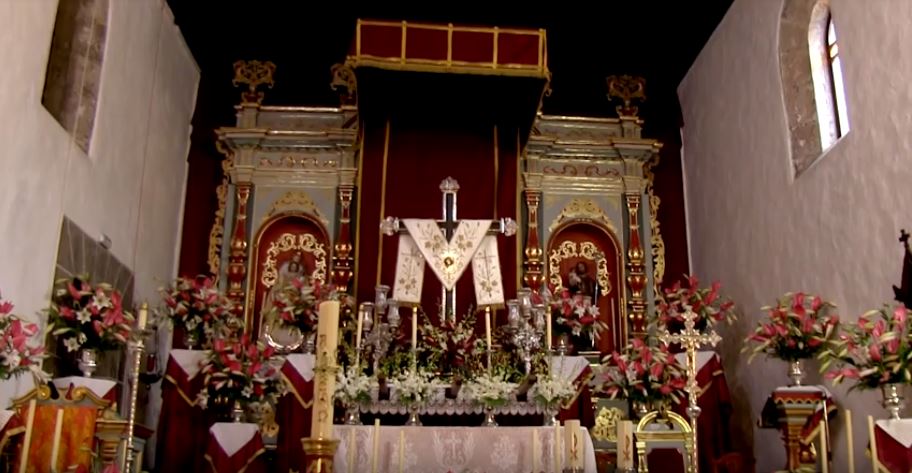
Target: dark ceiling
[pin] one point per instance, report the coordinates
(658, 39)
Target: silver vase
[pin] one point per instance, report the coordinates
(796, 372)
(489, 420)
(353, 415)
(88, 361)
(191, 339)
(413, 419)
(892, 401)
(237, 412)
(551, 417)
(310, 343)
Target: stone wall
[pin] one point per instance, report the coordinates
(760, 230)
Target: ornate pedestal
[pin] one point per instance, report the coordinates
(798, 413)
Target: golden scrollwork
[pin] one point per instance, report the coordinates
(253, 73)
(295, 201)
(627, 88)
(571, 249)
(606, 424)
(343, 77)
(305, 242)
(216, 233)
(581, 208)
(656, 240)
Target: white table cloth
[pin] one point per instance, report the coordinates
(303, 363)
(191, 361)
(453, 449)
(101, 387)
(568, 367)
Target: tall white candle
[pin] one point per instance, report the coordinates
(850, 449)
(414, 334)
(548, 331)
(325, 379)
(143, 316)
(535, 468)
(401, 451)
(55, 447)
(574, 443)
(359, 329)
(557, 449)
(351, 450)
(27, 442)
(625, 445)
(488, 326)
(824, 460)
(375, 451)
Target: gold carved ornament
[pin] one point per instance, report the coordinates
(656, 240)
(606, 424)
(253, 73)
(295, 201)
(588, 250)
(216, 233)
(305, 242)
(627, 88)
(584, 209)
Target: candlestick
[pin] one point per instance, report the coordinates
(27, 442)
(625, 446)
(548, 332)
(325, 369)
(358, 339)
(375, 451)
(351, 450)
(55, 447)
(142, 316)
(535, 468)
(401, 450)
(488, 333)
(414, 337)
(850, 449)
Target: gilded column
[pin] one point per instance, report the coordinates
(237, 261)
(343, 262)
(636, 270)
(533, 265)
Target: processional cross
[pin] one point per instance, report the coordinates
(449, 223)
(691, 340)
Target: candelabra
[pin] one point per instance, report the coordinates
(526, 326)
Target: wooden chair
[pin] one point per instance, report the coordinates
(663, 430)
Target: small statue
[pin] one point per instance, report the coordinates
(904, 292)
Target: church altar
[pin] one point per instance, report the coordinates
(443, 449)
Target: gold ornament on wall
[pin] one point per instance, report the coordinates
(627, 88)
(582, 209)
(587, 250)
(254, 73)
(217, 232)
(305, 242)
(656, 240)
(295, 201)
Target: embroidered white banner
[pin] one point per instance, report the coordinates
(486, 274)
(409, 272)
(448, 259)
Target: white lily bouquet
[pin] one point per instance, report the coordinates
(490, 390)
(414, 388)
(552, 391)
(353, 387)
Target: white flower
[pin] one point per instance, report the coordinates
(352, 386)
(552, 389)
(490, 389)
(72, 344)
(192, 323)
(84, 316)
(12, 360)
(101, 300)
(82, 338)
(247, 391)
(413, 387)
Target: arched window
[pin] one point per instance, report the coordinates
(835, 66)
(826, 69)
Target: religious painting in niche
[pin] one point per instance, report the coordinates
(286, 247)
(585, 259)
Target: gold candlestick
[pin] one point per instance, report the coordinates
(138, 348)
(319, 454)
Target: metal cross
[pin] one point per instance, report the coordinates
(691, 340)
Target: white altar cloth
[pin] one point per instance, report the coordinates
(453, 449)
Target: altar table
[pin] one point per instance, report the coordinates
(453, 449)
(894, 444)
(235, 448)
(182, 426)
(294, 410)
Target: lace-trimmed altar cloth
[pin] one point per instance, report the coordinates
(894, 444)
(454, 449)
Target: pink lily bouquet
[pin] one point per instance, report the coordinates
(577, 315)
(298, 303)
(197, 305)
(89, 317)
(798, 327)
(241, 371)
(707, 303)
(874, 351)
(18, 352)
(641, 373)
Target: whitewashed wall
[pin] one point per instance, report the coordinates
(834, 229)
(130, 186)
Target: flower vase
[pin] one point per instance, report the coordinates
(564, 345)
(489, 420)
(551, 417)
(255, 412)
(413, 419)
(88, 361)
(191, 339)
(310, 342)
(353, 415)
(796, 372)
(892, 401)
(640, 409)
(237, 412)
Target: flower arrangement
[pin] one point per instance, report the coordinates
(414, 388)
(197, 305)
(353, 387)
(875, 351)
(577, 315)
(88, 317)
(490, 390)
(552, 391)
(705, 302)
(17, 354)
(799, 326)
(243, 371)
(451, 346)
(297, 303)
(641, 373)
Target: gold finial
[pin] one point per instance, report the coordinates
(253, 73)
(627, 88)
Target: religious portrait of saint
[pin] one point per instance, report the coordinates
(580, 281)
(288, 271)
